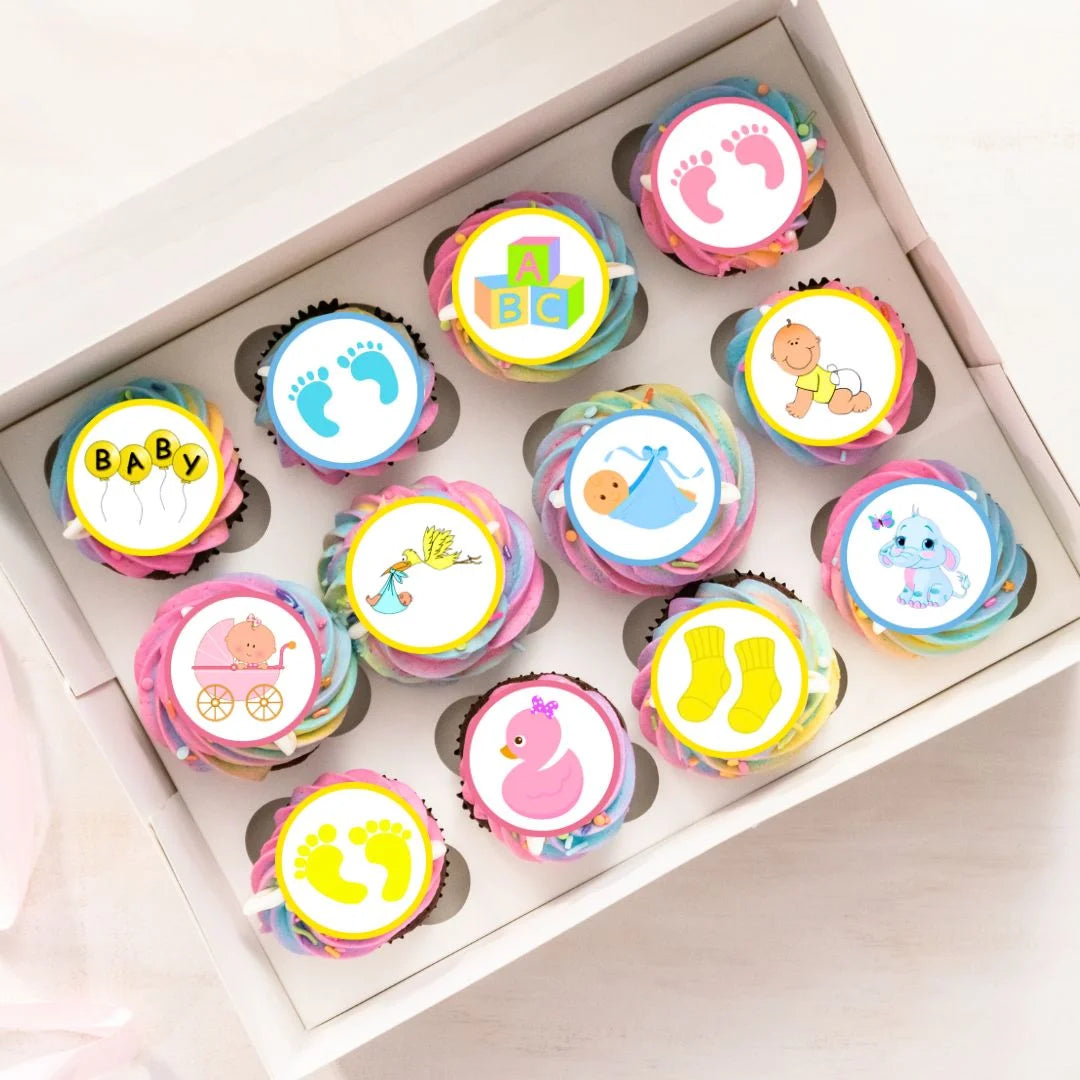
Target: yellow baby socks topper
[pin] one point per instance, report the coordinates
(710, 677)
(761, 688)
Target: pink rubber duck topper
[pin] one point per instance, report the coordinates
(539, 787)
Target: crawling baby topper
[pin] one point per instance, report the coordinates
(823, 367)
(144, 477)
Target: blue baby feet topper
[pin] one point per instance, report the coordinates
(345, 389)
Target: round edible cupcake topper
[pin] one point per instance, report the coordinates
(345, 389)
(542, 757)
(145, 477)
(823, 367)
(643, 487)
(917, 556)
(424, 574)
(530, 286)
(729, 679)
(730, 175)
(354, 861)
(245, 669)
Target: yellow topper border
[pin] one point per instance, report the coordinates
(789, 433)
(695, 614)
(77, 453)
(422, 830)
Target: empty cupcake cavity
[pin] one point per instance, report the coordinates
(819, 527)
(249, 356)
(539, 430)
(637, 320)
(455, 891)
(820, 218)
(721, 339)
(448, 731)
(622, 158)
(254, 519)
(1027, 590)
(432, 249)
(549, 600)
(50, 457)
(646, 783)
(359, 704)
(446, 420)
(923, 395)
(843, 679)
(261, 826)
(639, 625)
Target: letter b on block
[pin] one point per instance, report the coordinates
(533, 260)
(559, 304)
(499, 304)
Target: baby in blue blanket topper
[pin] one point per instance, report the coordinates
(652, 500)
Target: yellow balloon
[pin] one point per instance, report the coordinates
(134, 463)
(101, 459)
(190, 462)
(162, 445)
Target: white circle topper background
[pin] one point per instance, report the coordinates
(530, 323)
(847, 335)
(161, 512)
(730, 174)
(884, 576)
(344, 389)
(571, 750)
(688, 679)
(221, 634)
(345, 877)
(659, 477)
(421, 600)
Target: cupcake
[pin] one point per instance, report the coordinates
(434, 581)
(345, 389)
(146, 479)
(645, 489)
(826, 372)
(242, 673)
(921, 560)
(738, 675)
(725, 176)
(355, 861)
(535, 287)
(547, 766)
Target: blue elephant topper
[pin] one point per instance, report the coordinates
(927, 559)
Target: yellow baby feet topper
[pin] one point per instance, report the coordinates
(354, 860)
(127, 441)
(729, 679)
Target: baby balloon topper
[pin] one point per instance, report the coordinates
(144, 477)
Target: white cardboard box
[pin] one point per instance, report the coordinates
(158, 281)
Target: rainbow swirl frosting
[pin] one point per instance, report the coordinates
(291, 930)
(523, 584)
(289, 457)
(192, 555)
(616, 321)
(194, 745)
(534, 847)
(1009, 564)
(716, 550)
(857, 450)
(658, 226)
(808, 630)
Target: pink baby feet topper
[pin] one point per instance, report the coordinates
(541, 757)
(730, 175)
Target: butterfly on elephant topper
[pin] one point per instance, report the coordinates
(930, 563)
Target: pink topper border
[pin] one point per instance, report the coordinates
(658, 188)
(574, 691)
(237, 592)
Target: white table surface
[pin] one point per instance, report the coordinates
(918, 921)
